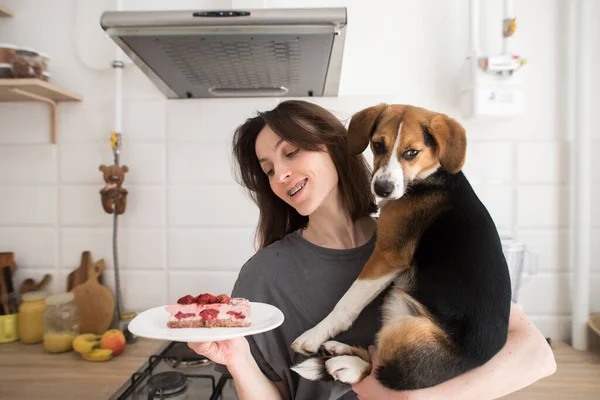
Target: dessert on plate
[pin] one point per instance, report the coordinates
(209, 311)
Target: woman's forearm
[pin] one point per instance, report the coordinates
(524, 359)
(251, 383)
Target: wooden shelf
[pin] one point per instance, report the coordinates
(37, 90)
(5, 12)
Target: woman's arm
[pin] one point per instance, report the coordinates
(252, 384)
(525, 358)
(235, 354)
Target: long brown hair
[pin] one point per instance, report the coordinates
(309, 127)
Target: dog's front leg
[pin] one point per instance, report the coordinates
(379, 271)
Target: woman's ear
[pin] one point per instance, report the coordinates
(451, 140)
(361, 127)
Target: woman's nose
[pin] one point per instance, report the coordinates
(284, 173)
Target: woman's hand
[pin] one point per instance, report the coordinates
(225, 352)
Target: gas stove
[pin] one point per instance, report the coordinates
(176, 372)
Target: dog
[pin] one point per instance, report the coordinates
(437, 245)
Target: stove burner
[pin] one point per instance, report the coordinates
(180, 355)
(166, 384)
(175, 362)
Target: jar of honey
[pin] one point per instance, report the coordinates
(61, 322)
(31, 317)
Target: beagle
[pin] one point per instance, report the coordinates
(449, 306)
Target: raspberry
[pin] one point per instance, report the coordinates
(187, 299)
(206, 298)
(209, 314)
(223, 299)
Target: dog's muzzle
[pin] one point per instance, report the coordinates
(383, 188)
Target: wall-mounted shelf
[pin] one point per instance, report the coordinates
(5, 12)
(37, 90)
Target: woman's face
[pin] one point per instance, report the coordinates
(303, 179)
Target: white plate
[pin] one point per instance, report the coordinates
(152, 324)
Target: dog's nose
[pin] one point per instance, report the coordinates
(383, 188)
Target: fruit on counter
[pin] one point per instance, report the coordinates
(98, 355)
(58, 342)
(86, 343)
(114, 340)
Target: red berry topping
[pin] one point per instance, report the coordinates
(187, 299)
(223, 299)
(207, 298)
(209, 314)
(236, 314)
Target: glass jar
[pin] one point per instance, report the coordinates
(31, 317)
(61, 322)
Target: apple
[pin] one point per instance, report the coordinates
(114, 340)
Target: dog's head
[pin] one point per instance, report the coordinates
(408, 143)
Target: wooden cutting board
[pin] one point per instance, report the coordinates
(95, 302)
(8, 258)
(29, 284)
(80, 274)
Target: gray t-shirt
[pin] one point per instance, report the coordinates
(305, 282)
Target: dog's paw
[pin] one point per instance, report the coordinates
(334, 348)
(348, 369)
(309, 342)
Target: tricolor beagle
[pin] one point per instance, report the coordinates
(449, 308)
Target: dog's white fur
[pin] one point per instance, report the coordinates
(347, 369)
(391, 172)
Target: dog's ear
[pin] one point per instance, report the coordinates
(361, 127)
(451, 139)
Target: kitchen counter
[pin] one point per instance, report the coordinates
(29, 372)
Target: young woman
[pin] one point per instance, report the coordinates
(316, 232)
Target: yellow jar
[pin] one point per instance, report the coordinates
(61, 322)
(31, 317)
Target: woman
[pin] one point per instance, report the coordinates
(316, 233)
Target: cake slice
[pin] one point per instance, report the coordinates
(208, 311)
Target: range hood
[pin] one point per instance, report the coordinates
(291, 52)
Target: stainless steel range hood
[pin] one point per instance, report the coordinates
(234, 53)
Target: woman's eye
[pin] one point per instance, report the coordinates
(270, 172)
(292, 154)
(378, 148)
(410, 154)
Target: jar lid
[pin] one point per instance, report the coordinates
(27, 51)
(60, 298)
(34, 296)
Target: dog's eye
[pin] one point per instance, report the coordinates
(410, 154)
(378, 148)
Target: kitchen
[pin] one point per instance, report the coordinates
(179, 234)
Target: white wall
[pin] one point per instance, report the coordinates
(179, 234)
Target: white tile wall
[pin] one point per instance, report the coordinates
(210, 249)
(30, 164)
(542, 206)
(210, 206)
(188, 227)
(28, 205)
(35, 247)
(489, 162)
(200, 163)
(543, 162)
(138, 249)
